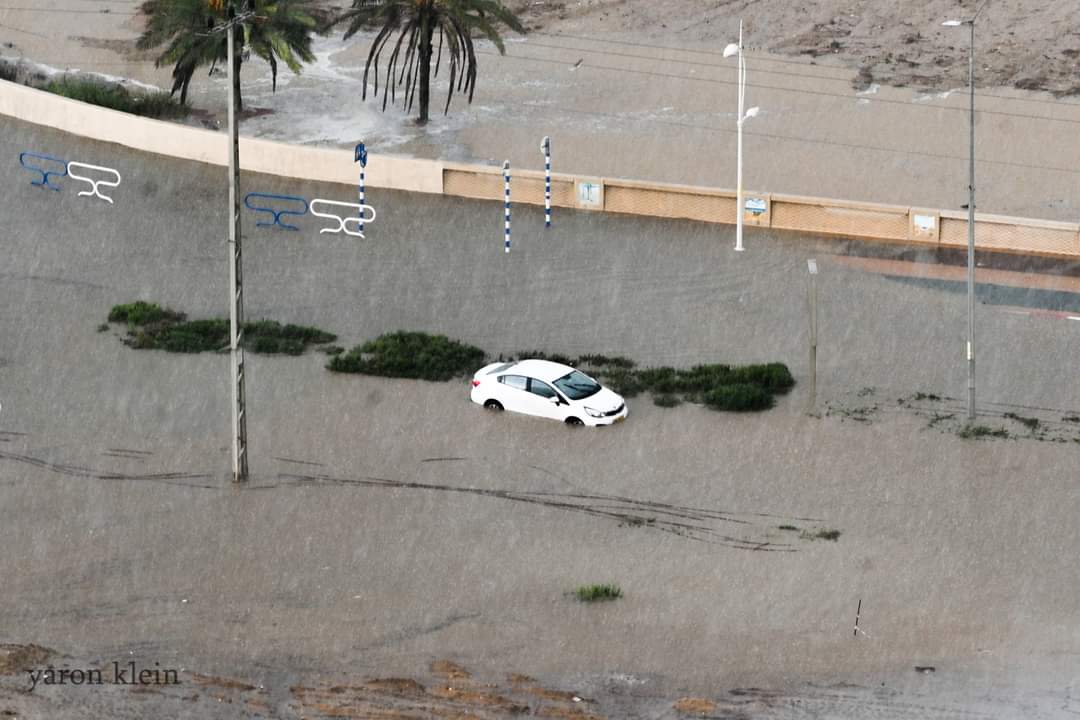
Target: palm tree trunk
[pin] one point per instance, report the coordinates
(238, 60)
(427, 32)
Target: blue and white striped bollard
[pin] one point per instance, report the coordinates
(545, 146)
(361, 157)
(506, 203)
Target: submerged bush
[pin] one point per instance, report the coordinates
(152, 327)
(415, 355)
(141, 313)
(739, 398)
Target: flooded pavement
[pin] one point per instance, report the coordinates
(392, 524)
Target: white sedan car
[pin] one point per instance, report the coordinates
(547, 389)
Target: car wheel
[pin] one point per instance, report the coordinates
(574, 421)
(493, 405)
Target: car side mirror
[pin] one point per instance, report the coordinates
(554, 400)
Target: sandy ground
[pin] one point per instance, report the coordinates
(392, 524)
(882, 117)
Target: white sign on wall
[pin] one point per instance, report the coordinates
(756, 206)
(924, 224)
(590, 194)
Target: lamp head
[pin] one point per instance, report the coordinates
(752, 112)
(731, 49)
(953, 23)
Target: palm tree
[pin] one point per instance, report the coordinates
(416, 22)
(278, 30)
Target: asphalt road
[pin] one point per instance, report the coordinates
(392, 522)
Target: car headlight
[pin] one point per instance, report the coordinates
(594, 413)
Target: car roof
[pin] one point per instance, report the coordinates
(540, 369)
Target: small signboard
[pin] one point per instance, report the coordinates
(590, 194)
(924, 224)
(756, 206)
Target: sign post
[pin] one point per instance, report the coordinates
(506, 204)
(361, 157)
(545, 147)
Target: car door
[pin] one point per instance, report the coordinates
(542, 394)
(514, 394)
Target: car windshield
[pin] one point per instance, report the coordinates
(577, 385)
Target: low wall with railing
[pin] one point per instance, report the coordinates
(822, 216)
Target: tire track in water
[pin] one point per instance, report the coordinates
(700, 524)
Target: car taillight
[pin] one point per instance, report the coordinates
(475, 383)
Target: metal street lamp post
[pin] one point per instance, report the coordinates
(971, 211)
(737, 49)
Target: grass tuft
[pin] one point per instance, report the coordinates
(821, 534)
(595, 593)
(1029, 422)
(550, 357)
(116, 97)
(974, 432)
(601, 361)
(667, 400)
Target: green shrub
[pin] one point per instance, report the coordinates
(117, 97)
(774, 377)
(141, 313)
(333, 349)
(413, 355)
(269, 336)
(7, 71)
(738, 398)
(195, 336)
(593, 593)
(667, 401)
(150, 326)
(662, 380)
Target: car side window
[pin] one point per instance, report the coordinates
(540, 388)
(518, 382)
